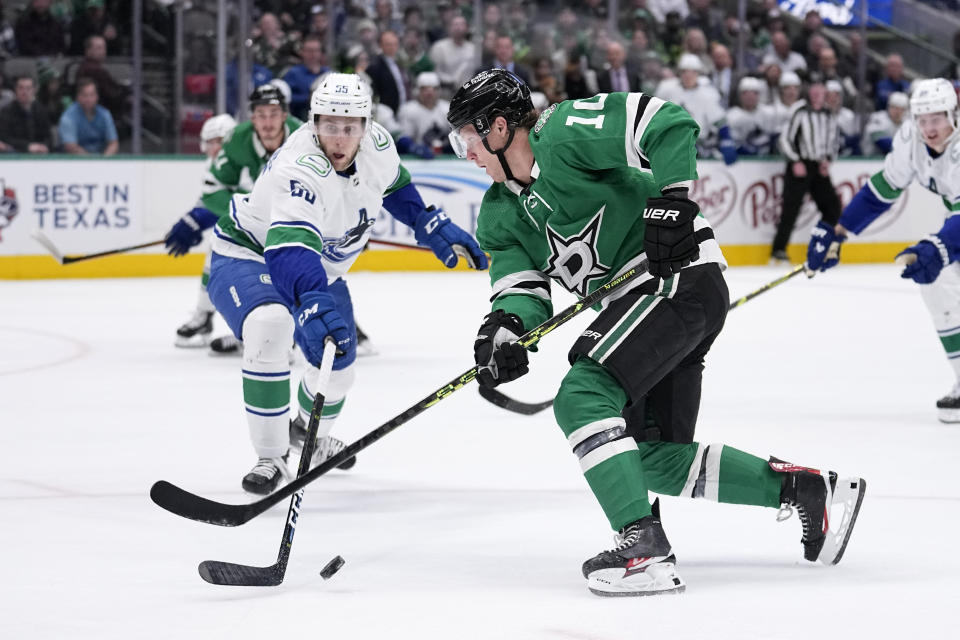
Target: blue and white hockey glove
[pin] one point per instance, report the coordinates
(434, 229)
(188, 231)
(315, 319)
(728, 149)
(498, 356)
(931, 258)
(823, 252)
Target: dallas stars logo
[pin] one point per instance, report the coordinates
(574, 260)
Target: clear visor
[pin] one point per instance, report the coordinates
(328, 129)
(464, 140)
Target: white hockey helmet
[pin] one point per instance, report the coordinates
(341, 94)
(216, 127)
(689, 62)
(933, 96)
(749, 83)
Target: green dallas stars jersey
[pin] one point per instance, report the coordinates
(580, 222)
(242, 150)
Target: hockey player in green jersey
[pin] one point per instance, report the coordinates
(583, 192)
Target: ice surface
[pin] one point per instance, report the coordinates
(467, 522)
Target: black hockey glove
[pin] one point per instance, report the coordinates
(668, 239)
(498, 356)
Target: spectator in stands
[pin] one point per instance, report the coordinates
(882, 125)
(503, 59)
(812, 25)
(38, 32)
(386, 74)
(638, 48)
(8, 38)
(827, 71)
(671, 37)
(706, 17)
(272, 48)
(616, 76)
(492, 18)
(6, 94)
(319, 21)
(787, 99)
(722, 74)
(651, 73)
(93, 22)
(259, 76)
(424, 120)
(660, 9)
(847, 120)
(575, 82)
(301, 76)
(696, 43)
(384, 18)
(50, 94)
(782, 56)
(771, 84)
(545, 81)
(86, 127)
(814, 46)
(112, 94)
(413, 56)
(892, 81)
(24, 125)
(752, 125)
(453, 56)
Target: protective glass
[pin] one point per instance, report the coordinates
(328, 129)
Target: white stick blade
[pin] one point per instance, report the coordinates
(42, 238)
(906, 259)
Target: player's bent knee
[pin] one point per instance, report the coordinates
(267, 333)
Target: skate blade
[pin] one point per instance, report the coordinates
(949, 416)
(657, 580)
(365, 349)
(847, 494)
(193, 342)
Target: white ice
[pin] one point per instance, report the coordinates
(467, 522)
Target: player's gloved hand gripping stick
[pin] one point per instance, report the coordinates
(186, 504)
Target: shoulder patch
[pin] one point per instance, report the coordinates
(381, 139)
(542, 120)
(317, 163)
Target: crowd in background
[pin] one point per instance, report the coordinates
(415, 54)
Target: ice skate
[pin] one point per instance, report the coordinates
(327, 447)
(196, 331)
(642, 564)
(779, 259)
(266, 475)
(226, 346)
(828, 507)
(948, 407)
(364, 345)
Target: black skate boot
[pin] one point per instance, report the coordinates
(948, 407)
(266, 475)
(327, 447)
(828, 507)
(196, 331)
(364, 345)
(226, 345)
(642, 564)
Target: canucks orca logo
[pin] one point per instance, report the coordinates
(8, 206)
(337, 249)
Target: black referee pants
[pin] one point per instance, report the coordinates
(794, 188)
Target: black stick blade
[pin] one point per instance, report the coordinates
(506, 402)
(188, 505)
(239, 575)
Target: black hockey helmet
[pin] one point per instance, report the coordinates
(267, 94)
(490, 93)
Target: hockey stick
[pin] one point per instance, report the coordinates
(230, 574)
(40, 237)
(399, 245)
(188, 505)
(530, 408)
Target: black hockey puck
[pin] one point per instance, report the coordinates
(332, 567)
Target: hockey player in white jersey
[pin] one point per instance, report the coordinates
(847, 120)
(925, 149)
(188, 231)
(883, 125)
(424, 119)
(281, 252)
(701, 100)
(752, 125)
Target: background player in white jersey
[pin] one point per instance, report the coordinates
(926, 149)
(787, 99)
(281, 252)
(883, 125)
(847, 120)
(187, 232)
(701, 100)
(752, 125)
(424, 120)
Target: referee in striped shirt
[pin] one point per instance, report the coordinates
(810, 140)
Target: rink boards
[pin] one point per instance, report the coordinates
(88, 205)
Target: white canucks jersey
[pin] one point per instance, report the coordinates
(879, 126)
(299, 200)
(910, 159)
(752, 131)
(424, 125)
(849, 123)
(702, 103)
